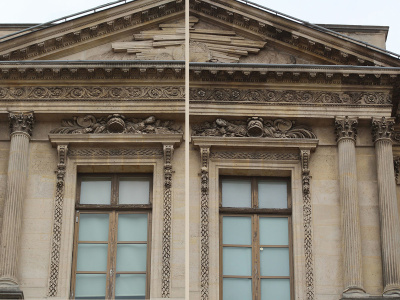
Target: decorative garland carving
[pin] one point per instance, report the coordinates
(382, 128)
(92, 93)
(396, 162)
(295, 97)
(254, 127)
(254, 155)
(58, 211)
(21, 122)
(307, 215)
(116, 123)
(204, 281)
(346, 128)
(95, 152)
(167, 210)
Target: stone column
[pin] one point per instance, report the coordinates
(390, 227)
(21, 125)
(346, 134)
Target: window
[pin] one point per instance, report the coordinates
(111, 257)
(255, 228)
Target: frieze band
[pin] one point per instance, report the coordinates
(294, 97)
(92, 93)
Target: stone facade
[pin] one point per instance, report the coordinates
(268, 97)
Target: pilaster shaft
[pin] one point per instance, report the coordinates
(389, 218)
(21, 127)
(346, 131)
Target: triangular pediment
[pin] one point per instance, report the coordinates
(225, 31)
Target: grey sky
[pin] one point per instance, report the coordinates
(355, 12)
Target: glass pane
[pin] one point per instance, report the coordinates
(236, 193)
(131, 257)
(272, 194)
(237, 289)
(89, 286)
(236, 261)
(132, 286)
(272, 289)
(236, 230)
(95, 191)
(274, 231)
(134, 190)
(274, 261)
(92, 257)
(93, 227)
(132, 227)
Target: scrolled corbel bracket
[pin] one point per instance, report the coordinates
(62, 151)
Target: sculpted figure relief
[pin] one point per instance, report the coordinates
(253, 127)
(116, 123)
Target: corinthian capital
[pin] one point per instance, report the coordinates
(21, 122)
(382, 128)
(346, 127)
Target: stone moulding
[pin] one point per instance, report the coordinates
(288, 96)
(78, 143)
(79, 93)
(167, 222)
(204, 230)
(253, 127)
(307, 223)
(62, 151)
(303, 145)
(116, 123)
(118, 20)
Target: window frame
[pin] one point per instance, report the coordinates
(255, 213)
(113, 210)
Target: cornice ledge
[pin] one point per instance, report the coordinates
(116, 138)
(252, 142)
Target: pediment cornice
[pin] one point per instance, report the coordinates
(83, 33)
(314, 74)
(91, 70)
(288, 34)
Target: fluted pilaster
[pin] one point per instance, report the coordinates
(21, 127)
(346, 131)
(388, 212)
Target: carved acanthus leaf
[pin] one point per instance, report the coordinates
(346, 128)
(382, 128)
(253, 127)
(21, 122)
(116, 123)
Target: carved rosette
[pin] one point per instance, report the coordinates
(21, 122)
(204, 283)
(254, 127)
(167, 217)
(307, 216)
(58, 212)
(346, 127)
(382, 128)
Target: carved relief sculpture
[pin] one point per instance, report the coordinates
(253, 127)
(62, 151)
(116, 123)
(204, 208)
(167, 219)
(307, 219)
